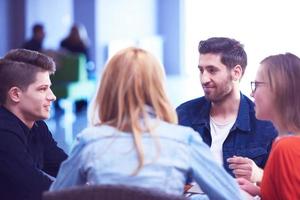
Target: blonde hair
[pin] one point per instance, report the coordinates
(132, 80)
(283, 74)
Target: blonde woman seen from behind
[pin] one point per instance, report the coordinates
(134, 139)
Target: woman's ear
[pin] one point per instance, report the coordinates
(237, 73)
(14, 94)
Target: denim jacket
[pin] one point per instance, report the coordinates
(248, 137)
(105, 155)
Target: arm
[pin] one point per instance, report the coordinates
(21, 174)
(53, 155)
(212, 178)
(248, 187)
(70, 172)
(245, 168)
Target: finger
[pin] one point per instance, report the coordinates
(241, 172)
(238, 160)
(241, 180)
(240, 166)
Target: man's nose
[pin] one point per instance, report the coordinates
(204, 77)
(51, 96)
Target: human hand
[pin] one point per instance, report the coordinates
(245, 168)
(248, 186)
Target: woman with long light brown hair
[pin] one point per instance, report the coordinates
(134, 139)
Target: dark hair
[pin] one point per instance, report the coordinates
(19, 68)
(37, 27)
(231, 51)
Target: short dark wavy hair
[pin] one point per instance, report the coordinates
(19, 68)
(231, 51)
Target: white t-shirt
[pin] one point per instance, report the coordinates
(219, 133)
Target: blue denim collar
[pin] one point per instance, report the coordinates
(201, 116)
(243, 120)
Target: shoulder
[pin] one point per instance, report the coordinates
(285, 143)
(179, 133)
(192, 108)
(10, 126)
(193, 111)
(285, 152)
(191, 104)
(93, 133)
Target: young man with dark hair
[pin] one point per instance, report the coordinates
(224, 117)
(29, 157)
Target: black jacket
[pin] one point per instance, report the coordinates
(27, 158)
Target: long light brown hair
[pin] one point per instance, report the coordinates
(283, 73)
(132, 80)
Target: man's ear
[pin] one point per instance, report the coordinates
(237, 73)
(14, 94)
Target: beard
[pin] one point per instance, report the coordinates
(220, 92)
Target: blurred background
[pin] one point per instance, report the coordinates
(170, 29)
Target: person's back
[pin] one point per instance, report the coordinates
(134, 139)
(104, 162)
(77, 41)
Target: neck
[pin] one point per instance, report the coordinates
(293, 131)
(29, 123)
(227, 109)
(285, 129)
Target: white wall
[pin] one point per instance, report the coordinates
(264, 27)
(56, 15)
(126, 20)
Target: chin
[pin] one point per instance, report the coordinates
(44, 116)
(209, 97)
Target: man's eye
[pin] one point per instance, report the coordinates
(211, 71)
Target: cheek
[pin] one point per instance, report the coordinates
(263, 107)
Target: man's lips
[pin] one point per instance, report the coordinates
(47, 107)
(207, 88)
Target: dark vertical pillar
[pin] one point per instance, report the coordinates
(4, 26)
(168, 17)
(84, 13)
(16, 23)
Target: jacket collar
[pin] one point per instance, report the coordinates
(242, 122)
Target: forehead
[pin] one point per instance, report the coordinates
(41, 78)
(261, 73)
(207, 60)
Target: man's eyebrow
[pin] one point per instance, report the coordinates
(45, 85)
(208, 66)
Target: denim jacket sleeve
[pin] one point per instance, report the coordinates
(70, 172)
(211, 177)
